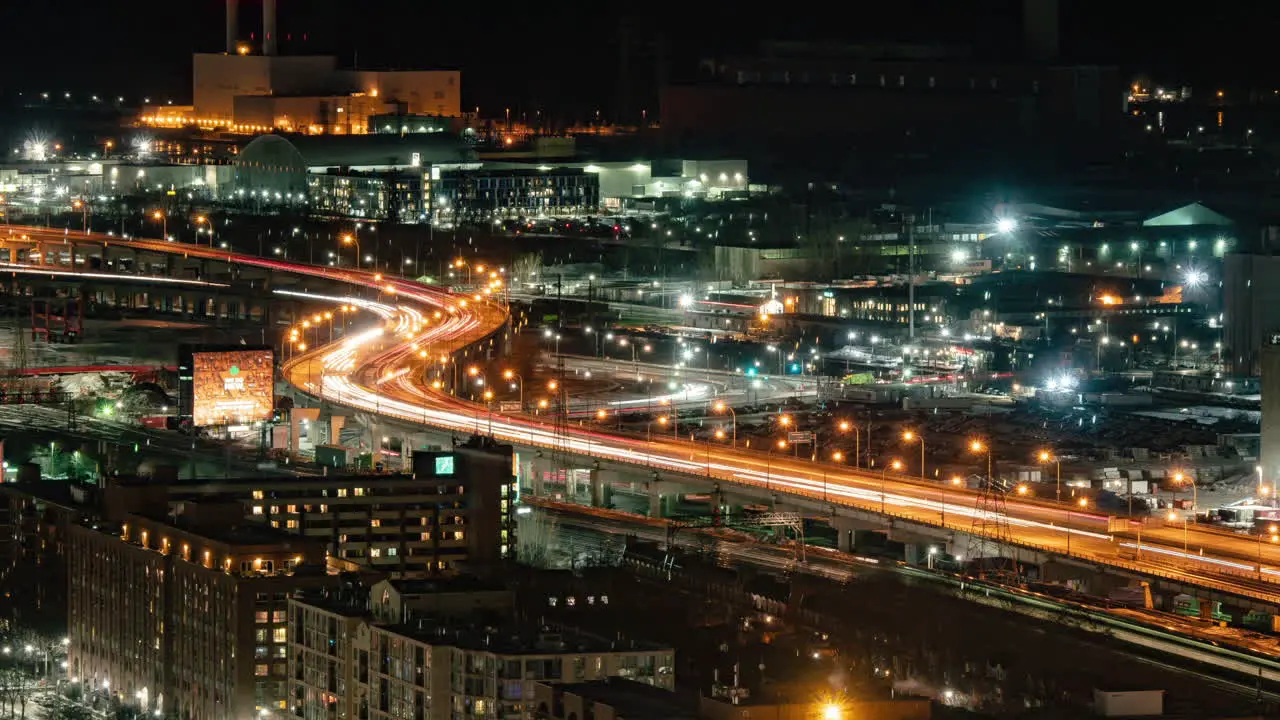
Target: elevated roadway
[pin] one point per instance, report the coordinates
(382, 370)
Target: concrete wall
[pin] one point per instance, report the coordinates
(217, 79)
(1251, 309)
(431, 92)
(1270, 463)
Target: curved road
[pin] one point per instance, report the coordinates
(380, 370)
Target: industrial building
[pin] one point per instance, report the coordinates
(893, 92)
(438, 176)
(186, 614)
(253, 88)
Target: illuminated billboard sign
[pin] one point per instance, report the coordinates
(232, 387)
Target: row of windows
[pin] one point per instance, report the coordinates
(786, 77)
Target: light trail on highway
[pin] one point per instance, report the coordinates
(374, 370)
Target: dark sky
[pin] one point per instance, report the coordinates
(563, 52)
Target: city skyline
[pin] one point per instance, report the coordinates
(576, 48)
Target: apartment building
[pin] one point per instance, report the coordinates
(344, 665)
(186, 613)
(455, 511)
(35, 519)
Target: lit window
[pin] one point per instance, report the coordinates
(375, 552)
(257, 509)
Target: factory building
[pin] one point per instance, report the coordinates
(250, 88)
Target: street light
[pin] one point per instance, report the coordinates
(1083, 503)
(1179, 478)
(977, 446)
(513, 375)
(846, 426)
(768, 464)
(836, 457)
(911, 436)
(957, 481)
(1045, 456)
(895, 466)
(202, 220)
(1274, 532)
(350, 239)
(722, 406)
(164, 222)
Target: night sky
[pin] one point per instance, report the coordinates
(564, 52)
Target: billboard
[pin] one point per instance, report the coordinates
(232, 387)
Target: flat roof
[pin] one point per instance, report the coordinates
(459, 583)
(238, 534)
(522, 640)
(633, 700)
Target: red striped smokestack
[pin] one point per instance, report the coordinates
(233, 25)
(268, 27)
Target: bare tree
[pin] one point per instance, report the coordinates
(526, 268)
(15, 688)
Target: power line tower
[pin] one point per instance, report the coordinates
(18, 362)
(989, 538)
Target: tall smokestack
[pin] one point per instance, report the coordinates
(233, 25)
(268, 27)
(1040, 29)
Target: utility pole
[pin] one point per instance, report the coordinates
(911, 276)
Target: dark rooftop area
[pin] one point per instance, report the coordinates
(458, 583)
(633, 700)
(519, 640)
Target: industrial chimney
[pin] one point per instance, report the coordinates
(268, 27)
(233, 25)
(1040, 29)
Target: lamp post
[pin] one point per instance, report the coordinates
(1274, 533)
(912, 436)
(164, 223)
(722, 406)
(836, 457)
(350, 239)
(488, 408)
(785, 422)
(201, 220)
(1045, 456)
(978, 446)
(1179, 477)
(513, 375)
(768, 464)
(957, 481)
(83, 207)
(661, 420)
(1083, 503)
(1174, 516)
(846, 426)
(896, 465)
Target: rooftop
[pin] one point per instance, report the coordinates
(456, 584)
(518, 640)
(633, 700)
(348, 600)
(239, 534)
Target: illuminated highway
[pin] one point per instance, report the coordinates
(383, 370)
